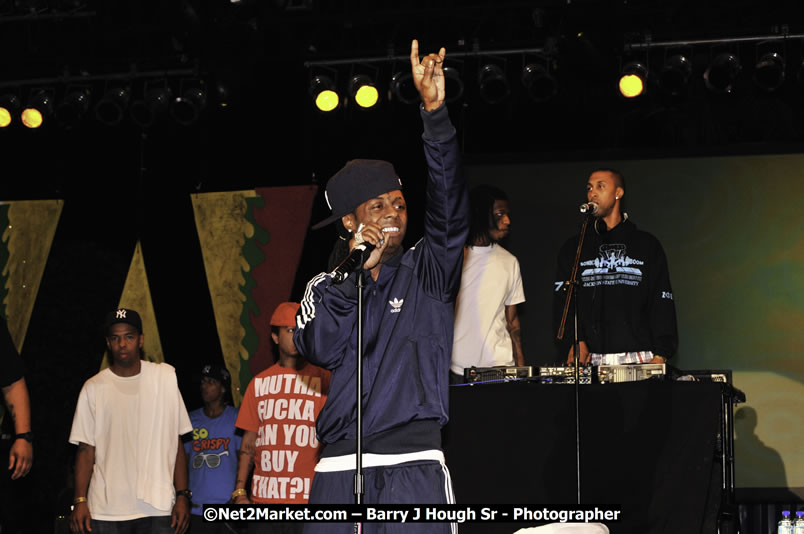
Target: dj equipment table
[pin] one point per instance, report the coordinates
(656, 448)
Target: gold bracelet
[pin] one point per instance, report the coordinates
(238, 492)
(79, 500)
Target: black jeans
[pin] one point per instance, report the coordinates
(143, 525)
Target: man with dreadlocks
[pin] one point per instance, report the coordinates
(487, 330)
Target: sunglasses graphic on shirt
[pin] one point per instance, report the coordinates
(212, 459)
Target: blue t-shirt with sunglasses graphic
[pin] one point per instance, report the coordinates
(212, 456)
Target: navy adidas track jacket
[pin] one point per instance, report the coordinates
(408, 322)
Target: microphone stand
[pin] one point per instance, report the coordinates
(359, 490)
(354, 263)
(572, 296)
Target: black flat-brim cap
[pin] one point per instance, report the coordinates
(358, 181)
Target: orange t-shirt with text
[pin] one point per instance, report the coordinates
(281, 405)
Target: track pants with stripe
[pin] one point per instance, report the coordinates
(418, 482)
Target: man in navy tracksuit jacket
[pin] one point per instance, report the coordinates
(407, 331)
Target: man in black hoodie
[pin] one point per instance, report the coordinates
(626, 312)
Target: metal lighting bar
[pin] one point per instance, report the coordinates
(131, 75)
(451, 55)
(49, 15)
(697, 42)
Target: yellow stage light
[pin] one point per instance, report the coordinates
(327, 100)
(32, 118)
(631, 86)
(366, 96)
(9, 108)
(39, 108)
(363, 91)
(322, 89)
(632, 80)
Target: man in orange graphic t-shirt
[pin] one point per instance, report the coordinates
(278, 416)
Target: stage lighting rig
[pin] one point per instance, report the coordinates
(539, 83)
(111, 109)
(73, 107)
(722, 72)
(324, 93)
(493, 84)
(147, 111)
(188, 106)
(769, 71)
(486, 69)
(9, 109)
(39, 108)
(363, 91)
(633, 79)
(675, 74)
(403, 89)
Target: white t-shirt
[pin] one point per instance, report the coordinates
(490, 282)
(106, 417)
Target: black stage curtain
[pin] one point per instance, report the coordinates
(651, 447)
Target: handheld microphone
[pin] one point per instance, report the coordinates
(589, 208)
(353, 262)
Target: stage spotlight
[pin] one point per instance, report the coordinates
(363, 91)
(187, 108)
(539, 83)
(146, 112)
(322, 89)
(722, 73)
(403, 89)
(73, 107)
(769, 71)
(675, 75)
(39, 109)
(493, 84)
(9, 108)
(633, 79)
(453, 84)
(111, 109)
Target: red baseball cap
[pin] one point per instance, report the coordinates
(285, 314)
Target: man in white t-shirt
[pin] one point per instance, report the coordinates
(130, 467)
(487, 330)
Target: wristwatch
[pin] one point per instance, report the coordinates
(187, 493)
(27, 436)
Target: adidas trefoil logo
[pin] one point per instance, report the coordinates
(396, 305)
